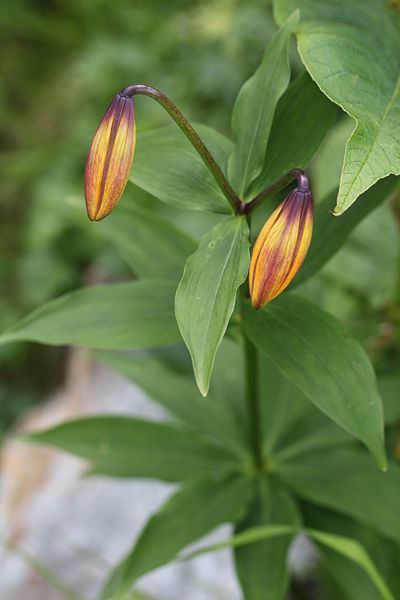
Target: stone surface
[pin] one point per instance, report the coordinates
(70, 523)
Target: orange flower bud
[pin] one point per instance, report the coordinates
(281, 247)
(110, 158)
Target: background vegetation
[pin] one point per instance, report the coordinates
(64, 63)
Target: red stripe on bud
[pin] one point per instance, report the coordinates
(281, 247)
(110, 158)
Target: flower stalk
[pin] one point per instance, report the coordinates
(192, 136)
(278, 185)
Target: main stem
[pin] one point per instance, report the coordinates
(252, 396)
(192, 136)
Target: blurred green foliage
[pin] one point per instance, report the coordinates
(64, 61)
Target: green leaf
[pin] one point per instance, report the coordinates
(327, 163)
(261, 567)
(254, 109)
(124, 315)
(350, 576)
(127, 447)
(151, 246)
(352, 550)
(330, 234)
(289, 424)
(189, 514)
(167, 166)
(347, 481)
(302, 118)
(349, 548)
(229, 380)
(205, 297)
(311, 350)
(389, 387)
(357, 66)
(179, 395)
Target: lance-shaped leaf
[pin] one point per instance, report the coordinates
(355, 552)
(358, 67)
(346, 480)
(254, 109)
(290, 424)
(389, 387)
(302, 118)
(311, 350)
(330, 234)
(345, 546)
(150, 245)
(205, 297)
(168, 167)
(192, 512)
(127, 447)
(125, 315)
(350, 576)
(261, 567)
(179, 395)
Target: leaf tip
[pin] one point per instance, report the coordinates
(381, 460)
(203, 387)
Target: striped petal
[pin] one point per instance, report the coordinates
(110, 158)
(281, 247)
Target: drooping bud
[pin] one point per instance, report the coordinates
(281, 246)
(110, 158)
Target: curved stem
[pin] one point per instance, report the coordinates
(192, 136)
(252, 396)
(275, 187)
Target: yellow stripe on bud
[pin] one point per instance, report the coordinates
(281, 247)
(110, 158)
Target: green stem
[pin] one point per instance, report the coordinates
(252, 398)
(192, 136)
(281, 183)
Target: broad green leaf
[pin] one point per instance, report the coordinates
(123, 315)
(348, 575)
(254, 109)
(389, 388)
(330, 233)
(347, 481)
(167, 166)
(179, 395)
(302, 118)
(327, 163)
(352, 550)
(229, 382)
(364, 274)
(261, 567)
(357, 66)
(205, 297)
(349, 548)
(128, 447)
(150, 245)
(289, 424)
(311, 350)
(188, 515)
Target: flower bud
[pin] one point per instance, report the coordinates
(110, 158)
(281, 247)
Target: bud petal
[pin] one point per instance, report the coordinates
(281, 247)
(110, 158)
